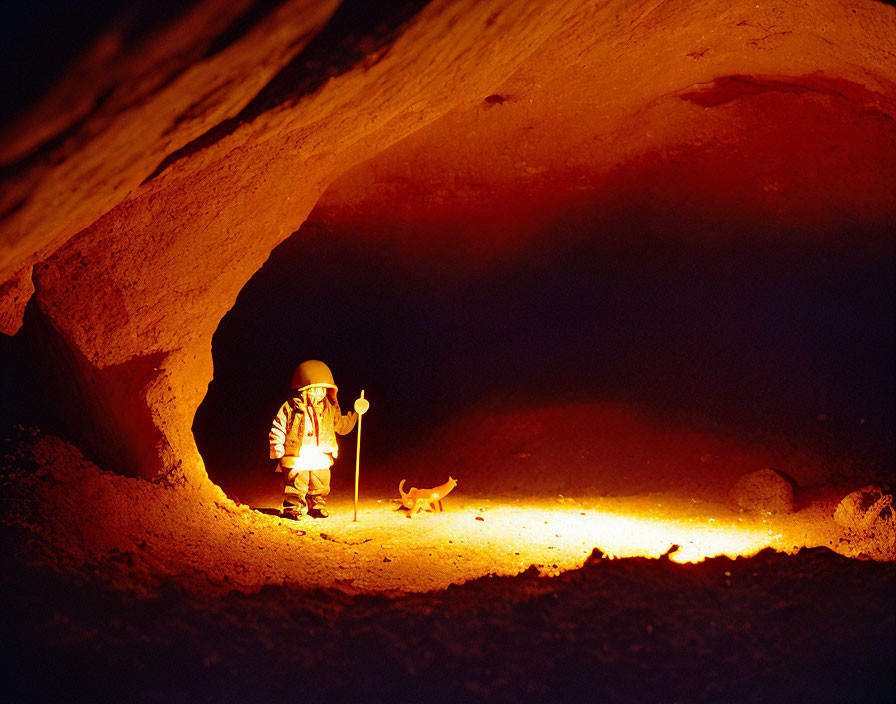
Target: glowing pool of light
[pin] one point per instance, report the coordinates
(616, 535)
(477, 537)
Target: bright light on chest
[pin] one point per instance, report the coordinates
(309, 459)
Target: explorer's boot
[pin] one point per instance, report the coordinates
(294, 510)
(316, 508)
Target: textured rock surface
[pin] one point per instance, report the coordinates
(158, 176)
(14, 296)
(765, 490)
(860, 509)
(867, 516)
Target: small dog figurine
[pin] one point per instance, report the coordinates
(417, 500)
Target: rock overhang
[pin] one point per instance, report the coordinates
(506, 113)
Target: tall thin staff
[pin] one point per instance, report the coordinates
(361, 407)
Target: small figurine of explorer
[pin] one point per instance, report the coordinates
(303, 438)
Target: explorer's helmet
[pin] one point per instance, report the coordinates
(313, 373)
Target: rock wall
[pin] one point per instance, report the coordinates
(150, 185)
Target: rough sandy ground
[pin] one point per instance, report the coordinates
(509, 511)
(811, 627)
(121, 588)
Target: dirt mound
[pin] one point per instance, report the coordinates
(808, 627)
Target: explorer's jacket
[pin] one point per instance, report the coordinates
(301, 424)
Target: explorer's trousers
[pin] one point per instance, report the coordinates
(306, 489)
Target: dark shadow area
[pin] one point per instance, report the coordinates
(47, 384)
(737, 335)
(39, 40)
(42, 38)
(814, 627)
(45, 150)
(244, 24)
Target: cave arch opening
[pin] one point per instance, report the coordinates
(735, 278)
(725, 330)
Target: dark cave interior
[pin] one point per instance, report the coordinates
(738, 330)
(680, 229)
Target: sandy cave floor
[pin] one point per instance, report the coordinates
(154, 593)
(136, 534)
(814, 626)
